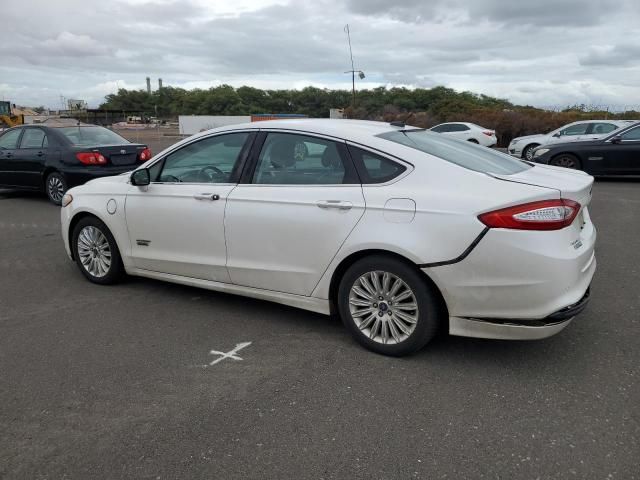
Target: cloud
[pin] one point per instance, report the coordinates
(533, 52)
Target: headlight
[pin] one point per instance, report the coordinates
(514, 141)
(540, 151)
(66, 199)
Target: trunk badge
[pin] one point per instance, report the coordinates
(123, 152)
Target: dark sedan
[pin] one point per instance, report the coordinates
(617, 154)
(54, 159)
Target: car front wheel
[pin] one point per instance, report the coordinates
(527, 153)
(95, 251)
(388, 306)
(566, 160)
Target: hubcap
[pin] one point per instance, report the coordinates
(94, 251)
(529, 154)
(566, 162)
(56, 188)
(383, 307)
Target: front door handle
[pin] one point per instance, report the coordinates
(206, 196)
(40, 154)
(336, 204)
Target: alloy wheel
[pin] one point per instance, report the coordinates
(55, 188)
(94, 251)
(565, 161)
(383, 307)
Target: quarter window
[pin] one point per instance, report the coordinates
(212, 160)
(633, 134)
(374, 168)
(10, 139)
(287, 159)
(602, 128)
(33, 138)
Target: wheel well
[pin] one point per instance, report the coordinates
(531, 145)
(45, 174)
(472, 140)
(354, 257)
(72, 225)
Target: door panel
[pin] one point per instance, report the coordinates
(176, 224)
(8, 147)
(283, 237)
(30, 157)
(173, 231)
(284, 228)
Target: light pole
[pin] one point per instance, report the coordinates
(353, 71)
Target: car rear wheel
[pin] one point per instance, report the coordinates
(95, 252)
(566, 160)
(527, 153)
(388, 306)
(55, 186)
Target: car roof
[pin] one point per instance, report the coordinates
(340, 128)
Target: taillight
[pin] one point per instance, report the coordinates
(144, 155)
(91, 158)
(542, 215)
(489, 133)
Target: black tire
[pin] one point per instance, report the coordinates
(566, 160)
(115, 271)
(527, 153)
(428, 314)
(473, 140)
(55, 186)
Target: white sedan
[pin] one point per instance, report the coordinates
(468, 131)
(399, 230)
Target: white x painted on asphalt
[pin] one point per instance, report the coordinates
(230, 354)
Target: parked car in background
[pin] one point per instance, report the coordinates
(353, 217)
(468, 131)
(523, 147)
(53, 159)
(616, 154)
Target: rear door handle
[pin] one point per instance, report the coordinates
(40, 154)
(336, 204)
(206, 196)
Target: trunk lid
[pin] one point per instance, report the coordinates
(572, 184)
(118, 155)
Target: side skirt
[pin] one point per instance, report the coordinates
(312, 304)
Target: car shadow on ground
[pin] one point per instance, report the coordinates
(23, 194)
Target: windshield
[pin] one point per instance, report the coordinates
(460, 152)
(92, 136)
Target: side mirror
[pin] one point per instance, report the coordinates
(141, 177)
(557, 134)
(616, 139)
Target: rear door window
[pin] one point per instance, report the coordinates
(33, 138)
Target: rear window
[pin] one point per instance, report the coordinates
(92, 136)
(460, 152)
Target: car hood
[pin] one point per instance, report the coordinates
(120, 178)
(572, 184)
(538, 136)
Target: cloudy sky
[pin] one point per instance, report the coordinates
(540, 52)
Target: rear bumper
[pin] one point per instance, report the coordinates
(517, 329)
(81, 175)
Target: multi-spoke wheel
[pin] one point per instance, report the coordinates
(527, 153)
(388, 305)
(55, 187)
(566, 160)
(96, 252)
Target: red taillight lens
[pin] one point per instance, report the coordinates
(144, 155)
(489, 133)
(91, 158)
(543, 215)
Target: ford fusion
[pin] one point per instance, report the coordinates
(399, 230)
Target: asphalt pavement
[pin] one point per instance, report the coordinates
(116, 382)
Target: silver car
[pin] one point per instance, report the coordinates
(522, 147)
